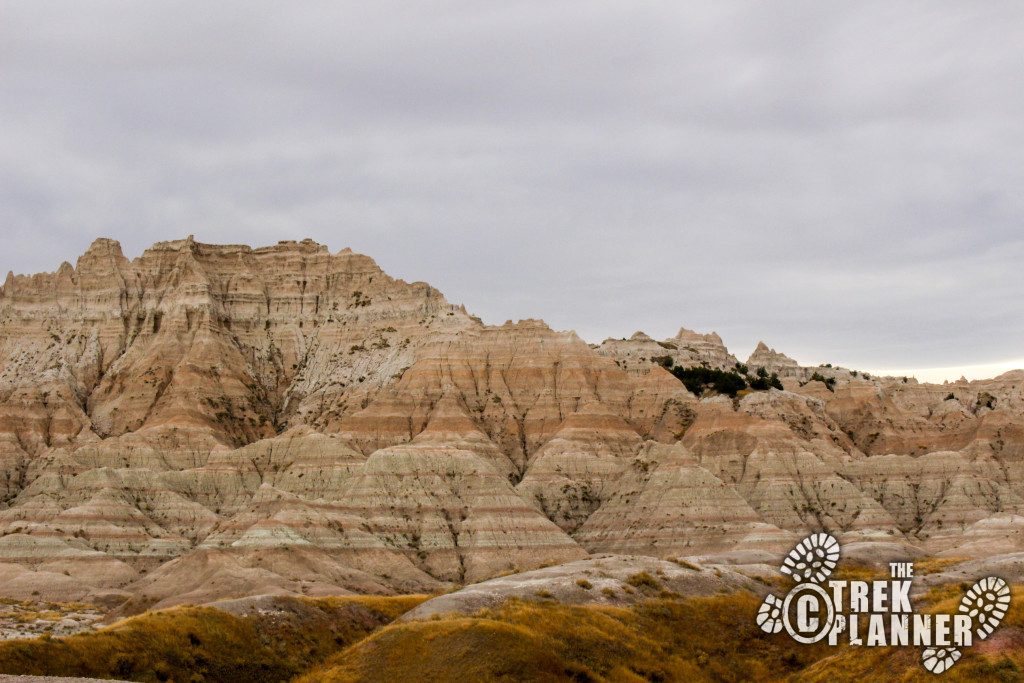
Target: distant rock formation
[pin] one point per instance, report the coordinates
(773, 362)
(207, 421)
(687, 349)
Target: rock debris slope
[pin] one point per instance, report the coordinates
(207, 421)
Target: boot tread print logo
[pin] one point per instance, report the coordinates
(876, 613)
(813, 559)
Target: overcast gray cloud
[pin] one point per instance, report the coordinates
(842, 180)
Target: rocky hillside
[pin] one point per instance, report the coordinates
(207, 421)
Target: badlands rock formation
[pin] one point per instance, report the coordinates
(208, 421)
(772, 361)
(687, 349)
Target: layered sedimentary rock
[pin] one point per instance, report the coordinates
(665, 503)
(935, 495)
(686, 349)
(791, 482)
(207, 421)
(570, 476)
(771, 361)
(456, 517)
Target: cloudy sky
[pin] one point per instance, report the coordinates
(841, 180)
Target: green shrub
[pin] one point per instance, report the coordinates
(829, 382)
(701, 379)
(764, 381)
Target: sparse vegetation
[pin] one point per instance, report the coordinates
(903, 664)
(665, 637)
(205, 644)
(684, 563)
(664, 361)
(931, 565)
(829, 382)
(358, 300)
(661, 639)
(643, 580)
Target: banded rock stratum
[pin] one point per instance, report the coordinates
(208, 421)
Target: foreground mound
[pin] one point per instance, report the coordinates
(255, 639)
(661, 639)
(612, 580)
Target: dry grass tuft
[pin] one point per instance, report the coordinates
(643, 580)
(933, 565)
(199, 644)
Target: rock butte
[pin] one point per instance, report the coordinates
(214, 421)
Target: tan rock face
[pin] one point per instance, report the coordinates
(666, 503)
(206, 421)
(571, 475)
(687, 349)
(455, 516)
(772, 361)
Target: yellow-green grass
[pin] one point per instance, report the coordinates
(666, 638)
(932, 565)
(700, 639)
(1000, 658)
(697, 639)
(205, 644)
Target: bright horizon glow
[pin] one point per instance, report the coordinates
(954, 373)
